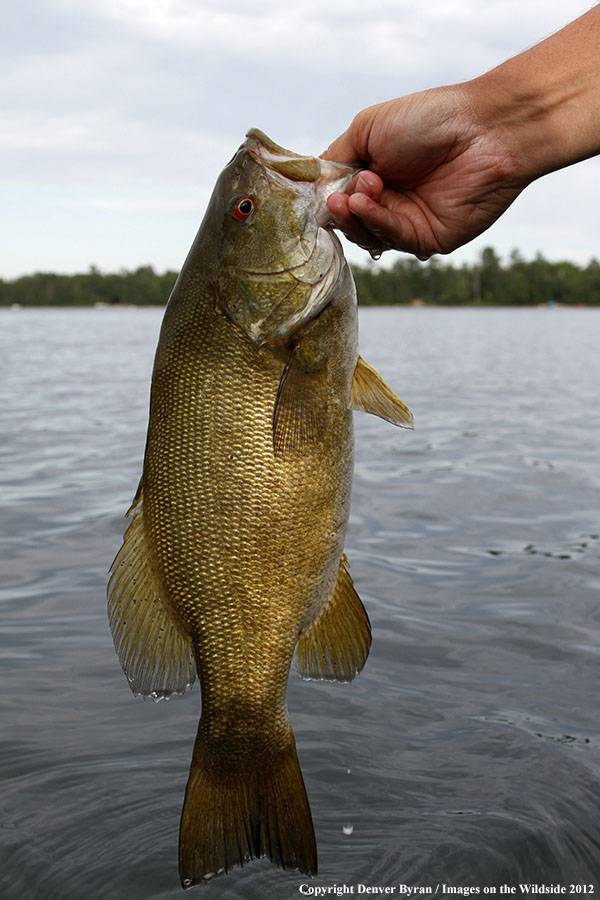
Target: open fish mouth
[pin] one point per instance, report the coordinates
(327, 176)
(316, 179)
(293, 165)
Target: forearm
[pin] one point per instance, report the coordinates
(544, 105)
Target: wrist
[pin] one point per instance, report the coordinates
(536, 120)
(543, 106)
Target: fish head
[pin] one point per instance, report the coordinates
(279, 261)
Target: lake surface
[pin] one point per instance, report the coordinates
(467, 754)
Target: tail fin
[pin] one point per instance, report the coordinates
(232, 814)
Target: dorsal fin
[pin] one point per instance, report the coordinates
(336, 645)
(371, 394)
(155, 652)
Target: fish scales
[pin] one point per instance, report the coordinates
(234, 558)
(252, 509)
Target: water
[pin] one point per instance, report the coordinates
(467, 752)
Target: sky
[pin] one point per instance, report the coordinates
(118, 115)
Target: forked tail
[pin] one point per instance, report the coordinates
(239, 808)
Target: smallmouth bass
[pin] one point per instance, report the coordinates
(233, 561)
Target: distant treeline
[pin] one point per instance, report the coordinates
(487, 282)
(144, 287)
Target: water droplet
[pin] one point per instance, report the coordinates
(348, 829)
(348, 771)
(375, 254)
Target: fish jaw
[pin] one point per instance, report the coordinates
(335, 177)
(329, 177)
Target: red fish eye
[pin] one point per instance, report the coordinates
(242, 208)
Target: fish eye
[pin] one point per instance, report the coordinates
(242, 208)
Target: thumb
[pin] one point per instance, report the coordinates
(342, 150)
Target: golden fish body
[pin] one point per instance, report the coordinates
(234, 559)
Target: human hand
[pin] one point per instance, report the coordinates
(442, 165)
(437, 174)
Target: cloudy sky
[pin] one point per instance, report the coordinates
(117, 115)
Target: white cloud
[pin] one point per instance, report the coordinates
(127, 106)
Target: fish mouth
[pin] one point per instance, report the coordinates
(291, 165)
(328, 177)
(313, 181)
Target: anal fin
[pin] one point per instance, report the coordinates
(371, 394)
(336, 645)
(155, 652)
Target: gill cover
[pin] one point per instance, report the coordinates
(278, 260)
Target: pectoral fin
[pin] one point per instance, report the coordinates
(297, 419)
(155, 652)
(336, 645)
(371, 394)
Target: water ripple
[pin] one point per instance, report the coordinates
(467, 752)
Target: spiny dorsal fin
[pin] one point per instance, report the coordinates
(371, 394)
(155, 652)
(297, 422)
(336, 645)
